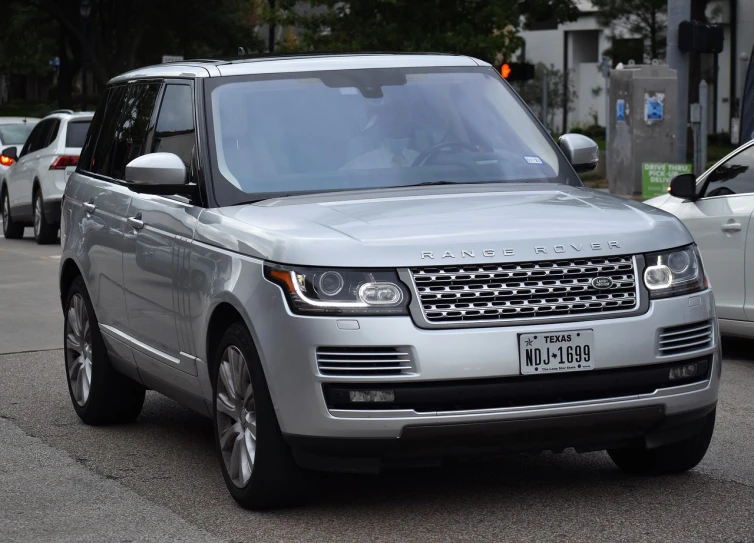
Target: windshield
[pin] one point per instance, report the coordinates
(15, 134)
(357, 129)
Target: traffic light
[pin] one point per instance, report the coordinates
(517, 71)
(696, 37)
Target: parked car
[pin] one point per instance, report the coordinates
(13, 131)
(353, 262)
(32, 188)
(717, 210)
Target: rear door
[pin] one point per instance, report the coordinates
(106, 203)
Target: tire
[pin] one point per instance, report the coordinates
(99, 394)
(11, 230)
(44, 232)
(257, 464)
(668, 459)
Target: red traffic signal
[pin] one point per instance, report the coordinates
(517, 71)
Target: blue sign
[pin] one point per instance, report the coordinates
(654, 109)
(620, 110)
(54, 62)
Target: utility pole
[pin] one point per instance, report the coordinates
(605, 67)
(544, 98)
(271, 36)
(679, 11)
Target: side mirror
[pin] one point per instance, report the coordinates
(8, 156)
(683, 186)
(157, 173)
(582, 152)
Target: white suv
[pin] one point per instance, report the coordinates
(32, 187)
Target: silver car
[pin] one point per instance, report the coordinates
(354, 262)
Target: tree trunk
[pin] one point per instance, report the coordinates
(65, 74)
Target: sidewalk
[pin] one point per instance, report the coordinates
(47, 496)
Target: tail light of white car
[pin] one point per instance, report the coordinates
(63, 161)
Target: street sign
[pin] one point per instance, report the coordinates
(656, 176)
(172, 58)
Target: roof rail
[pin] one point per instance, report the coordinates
(69, 111)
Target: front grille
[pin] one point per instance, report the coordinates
(350, 361)
(687, 338)
(501, 292)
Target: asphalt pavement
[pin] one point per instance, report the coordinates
(159, 480)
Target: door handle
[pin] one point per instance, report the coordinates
(731, 227)
(90, 207)
(136, 222)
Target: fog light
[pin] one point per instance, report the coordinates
(686, 370)
(371, 395)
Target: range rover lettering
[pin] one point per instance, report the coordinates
(353, 262)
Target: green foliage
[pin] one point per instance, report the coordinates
(646, 19)
(482, 28)
(27, 41)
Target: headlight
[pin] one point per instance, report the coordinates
(337, 291)
(674, 272)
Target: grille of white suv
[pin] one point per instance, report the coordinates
(501, 292)
(350, 361)
(686, 338)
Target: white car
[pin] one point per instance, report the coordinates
(717, 210)
(32, 187)
(13, 132)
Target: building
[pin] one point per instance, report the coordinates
(577, 48)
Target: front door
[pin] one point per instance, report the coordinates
(719, 221)
(158, 239)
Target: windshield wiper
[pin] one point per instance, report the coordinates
(433, 183)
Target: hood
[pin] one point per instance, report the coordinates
(448, 224)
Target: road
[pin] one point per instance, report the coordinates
(158, 479)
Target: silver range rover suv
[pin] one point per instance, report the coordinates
(352, 262)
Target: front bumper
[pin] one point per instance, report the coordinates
(287, 345)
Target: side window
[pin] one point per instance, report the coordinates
(736, 176)
(131, 129)
(90, 142)
(101, 157)
(175, 124)
(36, 137)
(52, 133)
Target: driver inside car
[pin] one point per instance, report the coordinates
(389, 127)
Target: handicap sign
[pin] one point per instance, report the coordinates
(620, 110)
(653, 107)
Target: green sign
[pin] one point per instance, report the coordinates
(656, 176)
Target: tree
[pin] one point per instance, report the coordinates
(487, 29)
(125, 34)
(531, 92)
(646, 19)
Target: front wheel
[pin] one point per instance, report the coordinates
(44, 232)
(668, 459)
(257, 465)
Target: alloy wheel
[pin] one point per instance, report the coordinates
(6, 211)
(37, 215)
(78, 349)
(236, 416)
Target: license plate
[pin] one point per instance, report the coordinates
(553, 352)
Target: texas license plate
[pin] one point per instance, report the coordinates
(553, 352)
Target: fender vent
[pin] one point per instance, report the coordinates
(366, 361)
(688, 338)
